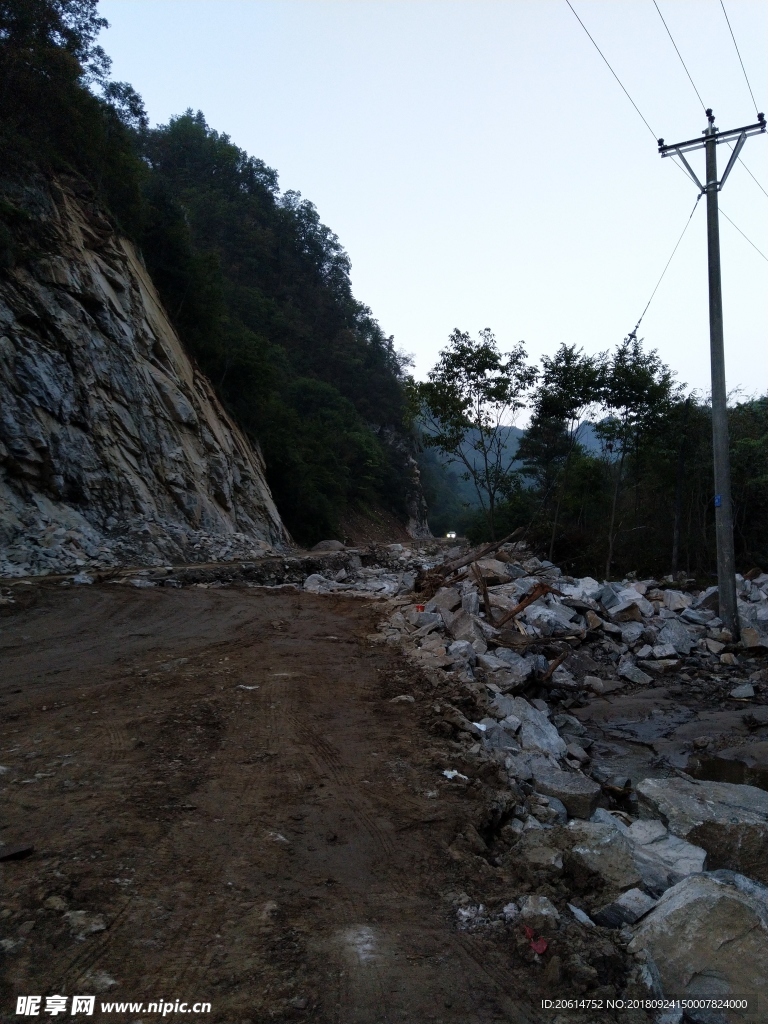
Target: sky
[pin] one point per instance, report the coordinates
(481, 165)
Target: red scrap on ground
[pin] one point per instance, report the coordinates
(537, 945)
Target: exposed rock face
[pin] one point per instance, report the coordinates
(113, 447)
(416, 507)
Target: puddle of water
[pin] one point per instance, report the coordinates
(655, 727)
(716, 768)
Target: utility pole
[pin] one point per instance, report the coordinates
(726, 562)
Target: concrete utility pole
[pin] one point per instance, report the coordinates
(726, 563)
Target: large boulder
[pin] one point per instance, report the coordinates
(708, 936)
(535, 732)
(577, 792)
(730, 822)
(549, 619)
(604, 851)
(662, 859)
(518, 666)
(678, 635)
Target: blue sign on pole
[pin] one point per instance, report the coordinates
(718, 500)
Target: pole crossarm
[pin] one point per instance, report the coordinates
(734, 133)
(712, 135)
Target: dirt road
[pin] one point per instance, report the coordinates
(226, 807)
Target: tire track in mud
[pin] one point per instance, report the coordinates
(193, 937)
(325, 757)
(69, 968)
(472, 952)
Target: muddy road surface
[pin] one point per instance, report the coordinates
(226, 807)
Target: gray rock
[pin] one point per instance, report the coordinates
(539, 913)
(627, 909)
(490, 663)
(314, 584)
(447, 597)
(708, 599)
(83, 923)
(708, 936)
(628, 670)
(631, 605)
(577, 753)
(602, 849)
(577, 792)
(580, 916)
(674, 632)
(533, 850)
(329, 545)
(570, 724)
(536, 733)
(428, 619)
(699, 617)
(582, 589)
(497, 737)
(464, 626)
(561, 811)
(604, 817)
(730, 822)
(549, 619)
(664, 651)
(463, 650)
(676, 600)
(521, 668)
(631, 633)
(662, 859)
(753, 619)
(743, 692)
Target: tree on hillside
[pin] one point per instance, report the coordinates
(638, 392)
(51, 117)
(469, 402)
(259, 290)
(571, 387)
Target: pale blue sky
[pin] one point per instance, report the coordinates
(478, 161)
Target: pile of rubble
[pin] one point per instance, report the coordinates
(674, 868)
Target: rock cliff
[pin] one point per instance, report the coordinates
(113, 446)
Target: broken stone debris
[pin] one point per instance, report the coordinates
(577, 637)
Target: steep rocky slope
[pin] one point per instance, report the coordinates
(113, 447)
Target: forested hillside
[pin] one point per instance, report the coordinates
(257, 287)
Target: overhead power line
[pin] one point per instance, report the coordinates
(733, 37)
(653, 133)
(750, 173)
(743, 235)
(666, 267)
(701, 101)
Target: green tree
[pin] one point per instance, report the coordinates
(469, 402)
(638, 392)
(571, 387)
